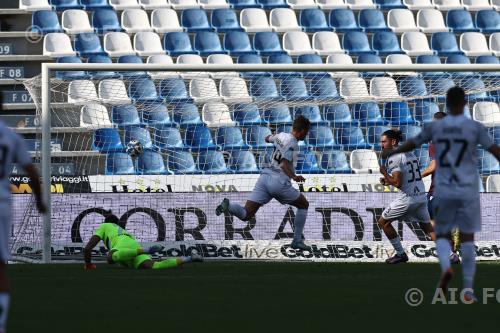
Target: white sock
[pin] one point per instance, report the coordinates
(300, 221)
(4, 310)
(237, 210)
(468, 263)
(396, 244)
(443, 248)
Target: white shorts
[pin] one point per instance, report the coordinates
(5, 226)
(403, 209)
(464, 214)
(269, 186)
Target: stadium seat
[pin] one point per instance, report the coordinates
(294, 89)
(364, 161)
(368, 58)
(191, 59)
(429, 59)
(186, 114)
(61, 5)
(94, 116)
(489, 59)
(270, 4)
(399, 59)
(174, 91)
(177, 43)
(335, 161)
(495, 134)
(153, 4)
(243, 161)
(251, 59)
(234, 90)
(237, 43)
(255, 137)
(220, 59)
(198, 138)
(282, 59)
(277, 114)
(151, 163)
(143, 90)
(165, 20)
(148, 44)
(422, 155)
(44, 22)
(385, 43)
(57, 45)
(444, 43)
(124, 4)
(338, 115)
(113, 91)
(267, 43)
(283, 20)
(425, 110)
(418, 4)
(301, 4)
(415, 44)
(100, 75)
(194, 20)
(372, 20)
(495, 43)
(216, 115)
(224, 20)
(439, 85)
(445, 5)
(409, 131)
(373, 135)
(488, 21)
(118, 44)
(459, 59)
(323, 89)
(119, 164)
(87, 45)
(488, 164)
(81, 92)
(477, 85)
(125, 115)
(384, 88)
(354, 88)
(34, 5)
(401, 20)
(326, 42)
(493, 183)
(181, 163)
(313, 20)
(321, 137)
(342, 20)
(203, 90)
(308, 163)
(487, 113)
(341, 59)
(105, 20)
(131, 59)
(206, 43)
(311, 59)
(106, 140)
(241, 4)
(264, 89)
(368, 114)
(212, 162)
(229, 138)
(254, 20)
(360, 4)
(71, 75)
(311, 112)
(246, 114)
(156, 115)
(355, 42)
(474, 44)
(459, 20)
(76, 21)
(351, 138)
(331, 4)
(184, 4)
(398, 113)
(431, 20)
(476, 5)
(135, 20)
(389, 4)
(412, 87)
(296, 43)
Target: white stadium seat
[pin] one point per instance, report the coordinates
(495, 4)
(384, 88)
(216, 115)
(114, 92)
(495, 43)
(474, 44)
(94, 116)
(184, 4)
(81, 92)
(430, 21)
(213, 4)
(447, 4)
(399, 59)
(418, 4)
(331, 4)
(75, 21)
(296, 43)
(148, 43)
(475, 5)
(341, 59)
(360, 4)
(117, 44)
(283, 20)
(326, 42)
(191, 59)
(163, 60)
(34, 5)
(221, 59)
(493, 183)
(401, 20)
(203, 90)
(124, 4)
(301, 4)
(487, 113)
(254, 20)
(234, 90)
(165, 20)
(154, 4)
(57, 45)
(135, 20)
(415, 43)
(364, 161)
(354, 88)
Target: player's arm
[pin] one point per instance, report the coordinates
(495, 151)
(430, 169)
(269, 138)
(394, 179)
(287, 168)
(87, 251)
(36, 186)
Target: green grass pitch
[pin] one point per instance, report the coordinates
(242, 297)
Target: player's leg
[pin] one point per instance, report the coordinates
(397, 209)
(5, 228)
(302, 206)
(421, 213)
(455, 245)
(468, 264)
(145, 262)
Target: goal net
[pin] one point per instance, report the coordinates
(161, 148)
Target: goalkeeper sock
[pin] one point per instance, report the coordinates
(468, 263)
(4, 310)
(167, 263)
(126, 254)
(300, 221)
(443, 248)
(237, 210)
(396, 244)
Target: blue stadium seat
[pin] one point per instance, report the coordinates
(264, 88)
(241, 4)
(156, 114)
(132, 59)
(367, 58)
(429, 59)
(177, 43)
(229, 138)
(385, 43)
(267, 43)
(247, 114)
(338, 115)
(44, 22)
(95, 4)
(459, 59)
(255, 137)
(372, 20)
(251, 59)
(321, 137)
(311, 59)
(125, 115)
(439, 86)
(237, 42)
(181, 162)
(271, 4)
(101, 75)
(445, 43)
(475, 84)
(368, 114)
(488, 164)
(225, 20)
(71, 75)
(140, 134)
(409, 131)
(355, 42)
(194, 20)
(207, 42)
(389, 4)
(198, 137)
(277, 115)
(398, 113)
(61, 5)
(106, 140)
(311, 112)
(168, 138)
(488, 21)
(495, 133)
(308, 163)
(313, 19)
(351, 137)
(88, 44)
(211, 162)
(243, 161)
(174, 91)
(335, 161)
(487, 60)
(424, 111)
(459, 20)
(105, 20)
(285, 128)
(323, 89)
(143, 90)
(423, 157)
(342, 20)
(373, 135)
(294, 89)
(119, 164)
(411, 86)
(282, 59)
(151, 163)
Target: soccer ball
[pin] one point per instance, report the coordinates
(134, 148)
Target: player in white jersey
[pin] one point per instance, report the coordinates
(456, 196)
(12, 150)
(403, 172)
(274, 182)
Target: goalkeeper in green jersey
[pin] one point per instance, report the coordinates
(124, 249)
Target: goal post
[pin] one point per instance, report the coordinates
(217, 93)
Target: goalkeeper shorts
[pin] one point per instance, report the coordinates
(126, 242)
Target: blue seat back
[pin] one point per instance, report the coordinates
(397, 112)
(385, 42)
(367, 112)
(488, 21)
(487, 162)
(267, 43)
(150, 162)
(355, 42)
(444, 43)
(459, 20)
(70, 75)
(119, 164)
(440, 85)
(320, 136)
(168, 138)
(313, 19)
(241, 4)
(309, 59)
(311, 112)
(207, 42)
(229, 137)
(177, 43)
(410, 131)
(263, 87)
(270, 4)
(335, 161)
(424, 110)
(65, 4)
(412, 86)
(485, 59)
(104, 20)
(389, 4)
(368, 59)
(323, 87)
(224, 20)
(195, 19)
(140, 134)
(88, 44)
(237, 42)
(155, 114)
(125, 115)
(131, 59)
(277, 114)
(186, 114)
(343, 20)
(246, 114)
(198, 137)
(173, 89)
(256, 135)
(106, 139)
(243, 161)
(279, 59)
(94, 4)
(44, 22)
(337, 113)
(181, 162)
(308, 163)
(142, 90)
(371, 20)
(293, 87)
(374, 133)
(211, 161)
(350, 135)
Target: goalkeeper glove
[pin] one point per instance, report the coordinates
(89, 266)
